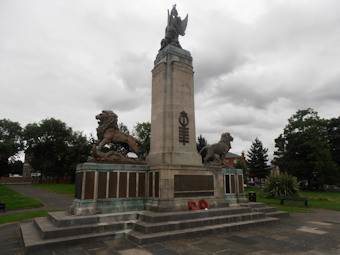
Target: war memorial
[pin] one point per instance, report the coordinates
(171, 194)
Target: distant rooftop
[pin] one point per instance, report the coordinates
(232, 155)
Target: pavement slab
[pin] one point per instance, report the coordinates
(282, 238)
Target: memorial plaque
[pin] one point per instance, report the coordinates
(89, 185)
(79, 185)
(233, 183)
(132, 184)
(102, 184)
(194, 185)
(141, 185)
(156, 184)
(227, 183)
(113, 185)
(122, 184)
(150, 184)
(240, 183)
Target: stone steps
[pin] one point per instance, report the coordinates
(148, 228)
(64, 219)
(152, 217)
(141, 238)
(47, 230)
(61, 228)
(278, 214)
(261, 207)
(33, 242)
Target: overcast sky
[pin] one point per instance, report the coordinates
(256, 62)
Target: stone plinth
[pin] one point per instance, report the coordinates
(179, 184)
(173, 134)
(106, 188)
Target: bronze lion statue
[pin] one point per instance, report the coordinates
(108, 132)
(221, 148)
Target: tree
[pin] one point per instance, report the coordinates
(11, 144)
(334, 139)
(142, 132)
(54, 148)
(257, 160)
(240, 164)
(201, 142)
(16, 167)
(303, 149)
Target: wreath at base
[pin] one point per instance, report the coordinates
(203, 204)
(192, 205)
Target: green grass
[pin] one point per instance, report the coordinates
(14, 200)
(4, 191)
(15, 217)
(316, 199)
(57, 188)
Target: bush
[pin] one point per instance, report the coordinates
(277, 186)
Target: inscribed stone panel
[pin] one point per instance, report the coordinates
(113, 185)
(89, 185)
(141, 185)
(102, 185)
(132, 184)
(122, 184)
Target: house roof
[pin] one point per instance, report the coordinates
(232, 155)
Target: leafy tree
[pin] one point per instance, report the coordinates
(16, 167)
(54, 148)
(201, 142)
(142, 132)
(78, 150)
(334, 139)
(257, 160)
(10, 143)
(240, 164)
(303, 149)
(123, 128)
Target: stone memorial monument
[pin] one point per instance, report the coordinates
(118, 196)
(173, 173)
(174, 162)
(122, 197)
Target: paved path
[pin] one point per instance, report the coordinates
(308, 233)
(51, 200)
(301, 233)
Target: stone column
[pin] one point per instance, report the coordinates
(173, 134)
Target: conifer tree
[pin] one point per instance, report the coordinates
(257, 160)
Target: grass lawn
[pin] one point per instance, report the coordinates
(316, 199)
(15, 217)
(14, 200)
(68, 189)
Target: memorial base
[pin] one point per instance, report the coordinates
(108, 188)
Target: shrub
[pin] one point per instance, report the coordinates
(277, 186)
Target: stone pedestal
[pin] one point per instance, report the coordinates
(173, 134)
(107, 188)
(180, 184)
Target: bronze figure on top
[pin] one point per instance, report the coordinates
(175, 27)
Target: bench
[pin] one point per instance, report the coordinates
(304, 199)
(2, 206)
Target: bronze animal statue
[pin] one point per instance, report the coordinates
(108, 132)
(221, 148)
